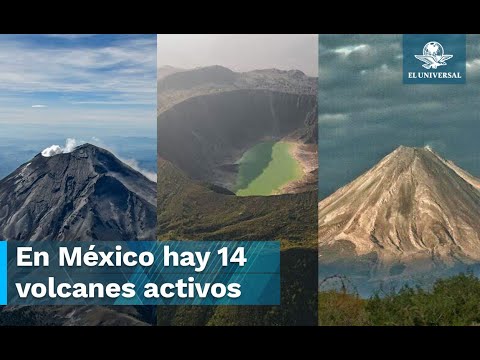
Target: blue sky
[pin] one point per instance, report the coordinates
(67, 83)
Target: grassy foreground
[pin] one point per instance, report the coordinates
(191, 210)
(451, 302)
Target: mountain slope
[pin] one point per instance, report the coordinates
(181, 85)
(412, 212)
(83, 195)
(215, 115)
(193, 210)
(87, 194)
(215, 130)
(167, 70)
(207, 119)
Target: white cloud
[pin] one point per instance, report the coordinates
(52, 150)
(70, 36)
(96, 120)
(134, 165)
(347, 50)
(39, 106)
(333, 118)
(121, 72)
(70, 145)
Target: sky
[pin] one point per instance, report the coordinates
(240, 52)
(365, 111)
(75, 83)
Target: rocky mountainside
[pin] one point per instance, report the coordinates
(215, 130)
(166, 70)
(179, 85)
(413, 212)
(215, 127)
(87, 194)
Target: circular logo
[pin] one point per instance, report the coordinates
(434, 49)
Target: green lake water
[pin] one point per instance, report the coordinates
(265, 168)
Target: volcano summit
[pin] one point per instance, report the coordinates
(87, 194)
(413, 213)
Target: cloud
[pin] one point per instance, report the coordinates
(87, 80)
(70, 145)
(134, 165)
(332, 118)
(70, 36)
(347, 50)
(52, 150)
(122, 69)
(57, 123)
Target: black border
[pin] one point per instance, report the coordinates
(244, 342)
(240, 18)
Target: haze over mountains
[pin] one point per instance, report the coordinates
(175, 85)
(413, 213)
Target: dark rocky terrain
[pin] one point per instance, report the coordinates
(87, 194)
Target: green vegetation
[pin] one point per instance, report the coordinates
(298, 300)
(341, 309)
(24, 316)
(266, 168)
(190, 210)
(453, 301)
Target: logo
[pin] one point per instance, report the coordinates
(434, 59)
(433, 55)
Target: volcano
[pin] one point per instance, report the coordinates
(87, 194)
(208, 120)
(209, 117)
(414, 212)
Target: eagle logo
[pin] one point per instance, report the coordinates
(433, 55)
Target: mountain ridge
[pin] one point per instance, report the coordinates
(412, 211)
(86, 194)
(217, 114)
(181, 85)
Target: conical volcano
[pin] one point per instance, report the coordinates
(412, 211)
(87, 194)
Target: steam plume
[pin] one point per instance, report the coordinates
(70, 145)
